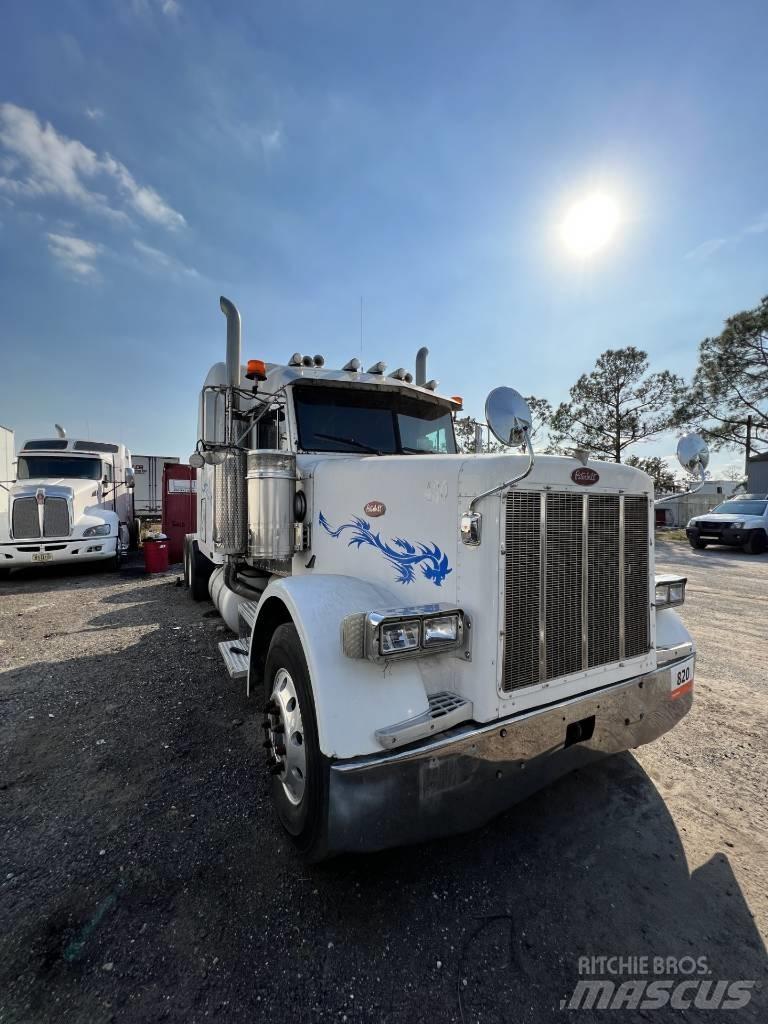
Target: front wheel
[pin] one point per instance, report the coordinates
(755, 543)
(299, 779)
(697, 544)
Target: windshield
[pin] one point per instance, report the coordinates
(377, 422)
(33, 467)
(743, 508)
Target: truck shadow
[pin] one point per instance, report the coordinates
(140, 835)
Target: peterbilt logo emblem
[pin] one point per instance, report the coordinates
(585, 476)
(374, 508)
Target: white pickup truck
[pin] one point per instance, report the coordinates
(428, 636)
(71, 502)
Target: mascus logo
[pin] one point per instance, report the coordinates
(585, 476)
(374, 508)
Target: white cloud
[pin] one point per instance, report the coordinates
(145, 8)
(76, 255)
(94, 113)
(271, 141)
(57, 165)
(164, 260)
(757, 227)
(706, 249)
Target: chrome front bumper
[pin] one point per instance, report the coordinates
(464, 778)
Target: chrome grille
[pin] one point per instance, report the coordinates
(521, 609)
(56, 521)
(576, 588)
(563, 584)
(636, 629)
(603, 574)
(25, 521)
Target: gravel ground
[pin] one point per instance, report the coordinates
(144, 877)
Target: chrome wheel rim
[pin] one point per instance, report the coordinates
(286, 737)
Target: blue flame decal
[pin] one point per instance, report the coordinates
(402, 555)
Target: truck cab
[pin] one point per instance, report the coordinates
(428, 635)
(71, 502)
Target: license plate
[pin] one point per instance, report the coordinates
(42, 558)
(682, 677)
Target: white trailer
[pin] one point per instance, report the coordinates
(7, 472)
(148, 492)
(71, 502)
(427, 636)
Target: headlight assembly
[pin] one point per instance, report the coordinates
(670, 591)
(405, 632)
(98, 531)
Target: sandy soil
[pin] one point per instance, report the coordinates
(144, 877)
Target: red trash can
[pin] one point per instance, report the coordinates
(155, 554)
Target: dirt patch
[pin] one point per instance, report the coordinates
(144, 877)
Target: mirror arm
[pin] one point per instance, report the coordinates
(514, 480)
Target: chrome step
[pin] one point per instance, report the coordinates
(235, 655)
(246, 616)
(445, 710)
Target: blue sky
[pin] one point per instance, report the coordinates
(157, 153)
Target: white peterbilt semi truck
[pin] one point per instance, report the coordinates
(427, 636)
(71, 502)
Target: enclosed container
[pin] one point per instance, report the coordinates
(271, 495)
(148, 492)
(179, 507)
(156, 554)
(7, 476)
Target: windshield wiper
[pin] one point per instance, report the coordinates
(349, 440)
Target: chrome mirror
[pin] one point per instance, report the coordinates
(693, 454)
(196, 460)
(130, 478)
(508, 416)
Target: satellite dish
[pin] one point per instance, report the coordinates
(693, 454)
(508, 416)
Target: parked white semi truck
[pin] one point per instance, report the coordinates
(71, 502)
(427, 636)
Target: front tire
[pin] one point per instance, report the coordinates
(698, 545)
(756, 543)
(299, 778)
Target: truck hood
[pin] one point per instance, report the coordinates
(396, 518)
(83, 497)
(60, 487)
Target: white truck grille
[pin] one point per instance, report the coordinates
(576, 584)
(26, 523)
(56, 518)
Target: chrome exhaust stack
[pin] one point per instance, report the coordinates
(231, 312)
(421, 366)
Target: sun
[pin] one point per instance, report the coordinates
(590, 224)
